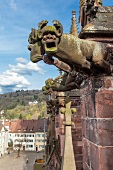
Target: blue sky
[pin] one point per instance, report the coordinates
(17, 17)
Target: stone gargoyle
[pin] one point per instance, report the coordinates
(85, 55)
(65, 82)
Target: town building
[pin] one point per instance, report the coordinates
(3, 140)
(40, 135)
(29, 135)
(33, 103)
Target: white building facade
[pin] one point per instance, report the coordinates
(40, 141)
(25, 140)
(3, 140)
(28, 135)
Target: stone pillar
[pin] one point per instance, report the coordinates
(76, 128)
(97, 123)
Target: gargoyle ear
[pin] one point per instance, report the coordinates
(58, 27)
(41, 25)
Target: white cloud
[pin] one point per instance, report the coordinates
(10, 78)
(0, 90)
(14, 78)
(21, 60)
(10, 81)
(25, 68)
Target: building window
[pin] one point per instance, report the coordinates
(29, 146)
(38, 135)
(43, 135)
(41, 146)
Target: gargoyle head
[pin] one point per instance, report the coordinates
(49, 82)
(50, 35)
(44, 40)
(47, 88)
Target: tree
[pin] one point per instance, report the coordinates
(20, 116)
(28, 117)
(18, 147)
(39, 117)
(35, 97)
(10, 143)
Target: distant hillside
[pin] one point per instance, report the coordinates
(16, 104)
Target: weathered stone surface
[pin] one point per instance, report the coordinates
(97, 124)
(106, 158)
(86, 152)
(94, 157)
(101, 23)
(78, 149)
(104, 104)
(83, 106)
(85, 166)
(105, 132)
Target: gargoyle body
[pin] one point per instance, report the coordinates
(85, 55)
(80, 53)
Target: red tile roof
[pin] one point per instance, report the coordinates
(12, 125)
(6, 123)
(27, 126)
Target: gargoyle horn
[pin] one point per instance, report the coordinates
(41, 25)
(58, 27)
(33, 36)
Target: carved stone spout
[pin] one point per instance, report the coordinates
(85, 55)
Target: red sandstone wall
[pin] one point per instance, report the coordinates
(97, 124)
(77, 139)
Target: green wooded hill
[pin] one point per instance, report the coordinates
(16, 104)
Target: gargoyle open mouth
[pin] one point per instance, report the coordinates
(50, 41)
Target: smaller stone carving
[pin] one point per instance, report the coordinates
(68, 81)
